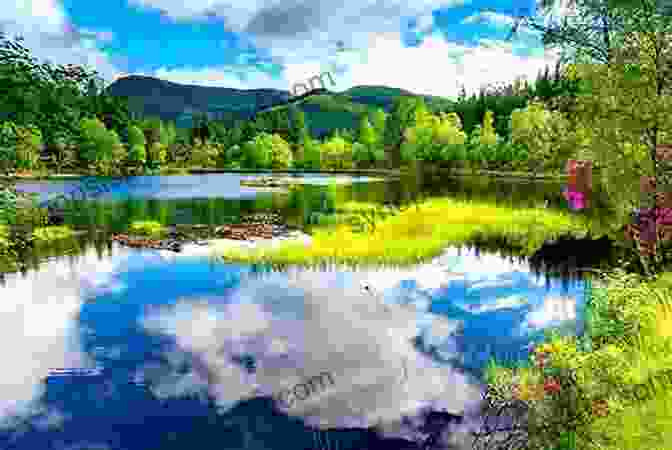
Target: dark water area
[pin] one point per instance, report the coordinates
(177, 350)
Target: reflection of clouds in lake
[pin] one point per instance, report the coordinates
(38, 328)
(325, 324)
(553, 309)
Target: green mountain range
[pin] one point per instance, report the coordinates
(324, 110)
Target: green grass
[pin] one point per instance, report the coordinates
(146, 228)
(418, 235)
(52, 233)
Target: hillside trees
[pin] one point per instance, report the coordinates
(401, 117)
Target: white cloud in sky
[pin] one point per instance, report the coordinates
(304, 48)
(436, 67)
(489, 17)
(50, 36)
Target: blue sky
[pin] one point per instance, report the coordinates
(425, 46)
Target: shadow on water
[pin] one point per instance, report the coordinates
(174, 404)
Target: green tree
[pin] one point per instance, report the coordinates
(256, 154)
(28, 147)
(488, 135)
(94, 145)
(434, 138)
(378, 123)
(137, 153)
(299, 129)
(203, 154)
(403, 116)
(311, 154)
(8, 145)
(336, 153)
(368, 148)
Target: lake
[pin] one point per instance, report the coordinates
(114, 348)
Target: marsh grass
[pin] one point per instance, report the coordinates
(52, 233)
(147, 228)
(417, 235)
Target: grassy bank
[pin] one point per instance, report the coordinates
(624, 377)
(418, 234)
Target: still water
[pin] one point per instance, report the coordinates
(184, 351)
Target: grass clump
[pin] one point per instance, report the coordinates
(147, 228)
(417, 234)
(52, 233)
(4, 240)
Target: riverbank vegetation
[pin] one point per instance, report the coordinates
(415, 235)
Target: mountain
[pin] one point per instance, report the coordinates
(324, 110)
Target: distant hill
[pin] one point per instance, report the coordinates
(324, 110)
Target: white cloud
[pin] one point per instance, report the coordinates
(50, 36)
(489, 17)
(297, 328)
(39, 329)
(436, 67)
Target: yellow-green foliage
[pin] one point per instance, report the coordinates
(336, 153)
(415, 236)
(434, 138)
(488, 135)
(52, 233)
(146, 228)
(28, 146)
(204, 154)
(4, 239)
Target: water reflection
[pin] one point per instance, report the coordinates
(192, 352)
(172, 340)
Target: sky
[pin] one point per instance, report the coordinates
(429, 47)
